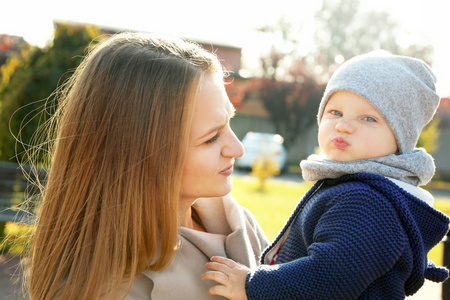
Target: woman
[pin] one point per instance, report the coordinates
(142, 132)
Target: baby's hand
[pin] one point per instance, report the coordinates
(230, 275)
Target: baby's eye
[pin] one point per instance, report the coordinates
(369, 119)
(336, 113)
(213, 139)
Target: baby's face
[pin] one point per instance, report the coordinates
(352, 129)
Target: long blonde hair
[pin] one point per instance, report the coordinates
(110, 202)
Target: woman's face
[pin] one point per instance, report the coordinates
(213, 146)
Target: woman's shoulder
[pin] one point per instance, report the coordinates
(141, 289)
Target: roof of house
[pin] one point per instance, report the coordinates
(112, 29)
(9, 44)
(444, 107)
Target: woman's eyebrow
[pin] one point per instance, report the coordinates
(231, 113)
(214, 129)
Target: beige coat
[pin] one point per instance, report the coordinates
(232, 231)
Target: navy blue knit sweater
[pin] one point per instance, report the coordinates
(356, 237)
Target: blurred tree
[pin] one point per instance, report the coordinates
(344, 30)
(10, 44)
(29, 79)
(291, 102)
(288, 88)
(429, 138)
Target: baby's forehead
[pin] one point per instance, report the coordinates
(350, 98)
(353, 104)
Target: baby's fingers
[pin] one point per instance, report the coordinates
(225, 261)
(219, 277)
(218, 267)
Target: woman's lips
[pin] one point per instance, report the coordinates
(227, 172)
(340, 143)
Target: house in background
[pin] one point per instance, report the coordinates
(229, 55)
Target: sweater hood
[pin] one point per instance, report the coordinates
(357, 236)
(425, 226)
(416, 191)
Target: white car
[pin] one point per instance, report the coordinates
(258, 144)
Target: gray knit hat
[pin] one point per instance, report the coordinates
(401, 88)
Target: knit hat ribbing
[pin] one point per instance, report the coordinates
(401, 88)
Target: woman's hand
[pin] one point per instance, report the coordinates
(230, 275)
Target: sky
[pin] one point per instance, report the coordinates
(231, 22)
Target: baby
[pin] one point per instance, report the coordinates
(364, 229)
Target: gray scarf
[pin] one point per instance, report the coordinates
(415, 167)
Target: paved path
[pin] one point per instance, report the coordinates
(10, 278)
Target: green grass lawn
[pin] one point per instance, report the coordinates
(272, 207)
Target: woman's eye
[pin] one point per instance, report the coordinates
(213, 139)
(369, 119)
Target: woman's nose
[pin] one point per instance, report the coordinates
(344, 126)
(233, 147)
